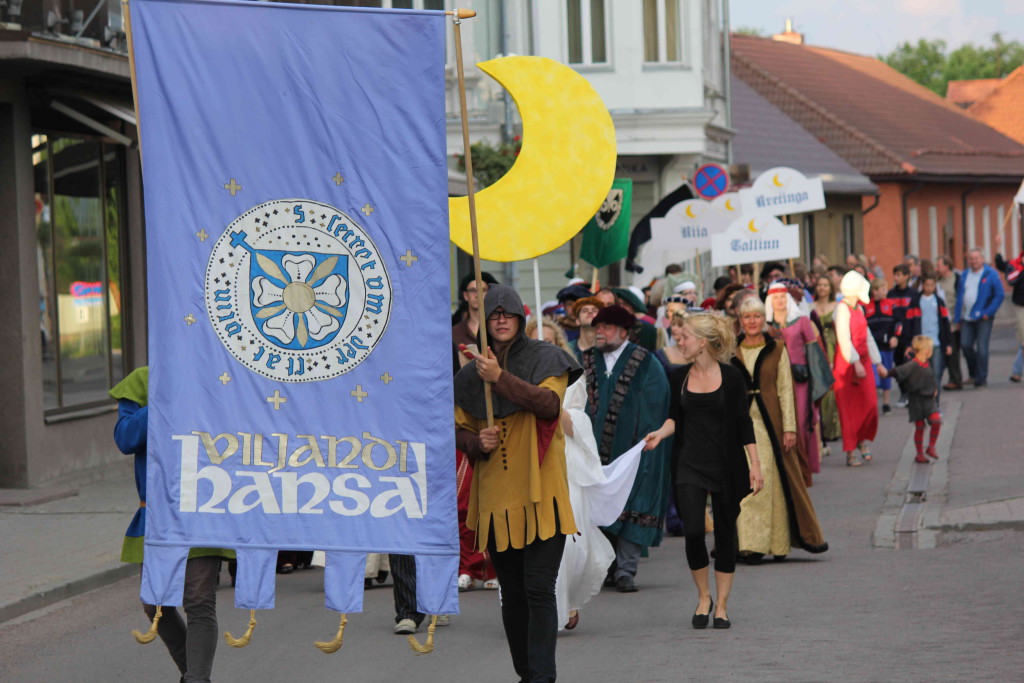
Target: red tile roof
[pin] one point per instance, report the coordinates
(966, 93)
(880, 121)
(1003, 108)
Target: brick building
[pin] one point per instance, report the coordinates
(946, 180)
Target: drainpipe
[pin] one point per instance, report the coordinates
(506, 98)
(727, 75)
(963, 215)
(907, 193)
(878, 198)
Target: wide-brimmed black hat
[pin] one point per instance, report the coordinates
(615, 315)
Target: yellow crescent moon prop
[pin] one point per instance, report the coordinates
(689, 211)
(564, 169)
(776, 181)
(751, 227)
(728, 205)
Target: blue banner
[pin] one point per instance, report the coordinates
(299, 339)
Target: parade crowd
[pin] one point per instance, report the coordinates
(637, 411)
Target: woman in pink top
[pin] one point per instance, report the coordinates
(798, 331)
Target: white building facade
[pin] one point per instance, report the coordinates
(657, 65)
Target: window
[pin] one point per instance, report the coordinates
(393, 4)
(412, 4)
(913, 233)
(79, 192)
(587, 31)
(809, 246)
(661, 32)
(849, 236)
(933, 231)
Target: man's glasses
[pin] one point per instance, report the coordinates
(498, 315)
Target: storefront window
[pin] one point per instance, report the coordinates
(79, 187)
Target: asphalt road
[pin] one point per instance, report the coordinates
(856, 613)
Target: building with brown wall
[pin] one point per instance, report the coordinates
(1002, 104)
(946, 180)
(766, 138)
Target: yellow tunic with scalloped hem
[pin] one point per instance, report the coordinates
(519, 499)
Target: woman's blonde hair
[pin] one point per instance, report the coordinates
(751, 304)
(556, 330)
(717, 330)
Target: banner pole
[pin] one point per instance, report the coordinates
(700, 274)
(536, 294)
(459, 15)
(126, 12)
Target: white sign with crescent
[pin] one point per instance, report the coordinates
(688, 225)
(754, 238)
(783, 191)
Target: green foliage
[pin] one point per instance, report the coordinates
(490, 163)
(924, 62)
(750, 31)
(929, 63)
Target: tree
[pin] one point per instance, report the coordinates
(929, 64)
(490, 163)
(924, 62)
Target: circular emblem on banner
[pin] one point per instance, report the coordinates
(297, 291)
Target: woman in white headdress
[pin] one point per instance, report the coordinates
(854, 387)
(797, 331)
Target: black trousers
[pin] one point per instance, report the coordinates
(953, 360)
(403, 573)
(691, 501)
(528, 611)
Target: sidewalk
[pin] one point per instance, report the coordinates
(58, 549)
(976, 485)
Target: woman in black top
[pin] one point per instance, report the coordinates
(710, 418)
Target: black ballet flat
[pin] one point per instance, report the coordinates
(721, 623)
(700, 621)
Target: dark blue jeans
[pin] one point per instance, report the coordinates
(974, 340)
(528, 610)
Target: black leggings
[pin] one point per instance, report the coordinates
(690, 502)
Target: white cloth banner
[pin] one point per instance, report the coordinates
(782, 191)
(753, 239)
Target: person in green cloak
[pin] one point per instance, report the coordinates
(627, 398)
(192, 642)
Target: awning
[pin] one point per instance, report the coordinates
(68, 102)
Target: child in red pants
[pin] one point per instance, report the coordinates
(917, 381)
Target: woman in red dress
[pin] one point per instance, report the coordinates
(855, 387)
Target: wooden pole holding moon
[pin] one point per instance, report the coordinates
(536, 294)
(459, 15)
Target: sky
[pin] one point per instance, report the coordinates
(874, 27)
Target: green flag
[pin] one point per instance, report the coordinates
(606, 236)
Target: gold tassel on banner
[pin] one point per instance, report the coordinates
(150, 635)
(332, 646)
(427, 647)
(246, 637)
